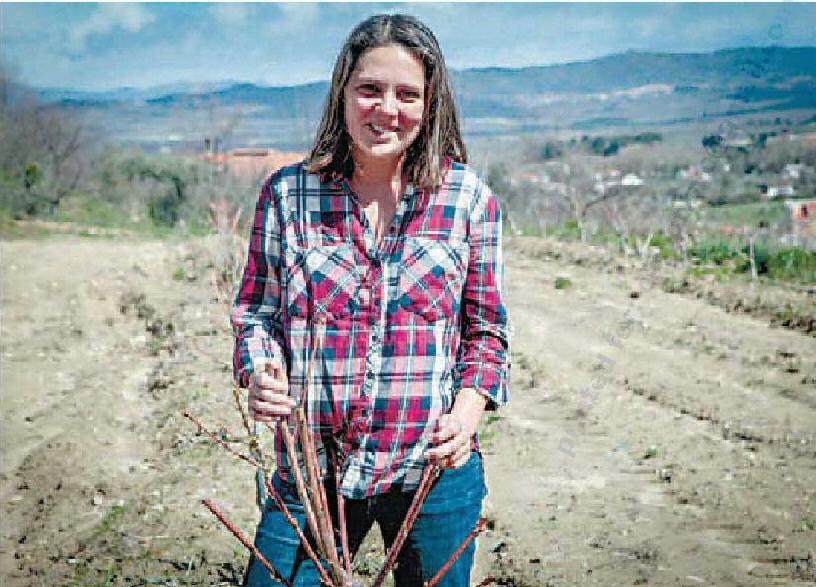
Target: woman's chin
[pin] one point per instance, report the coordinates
(384, 151)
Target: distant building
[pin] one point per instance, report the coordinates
(794, 170)
(631, 179)
(776, 191)
(252, 163)
(803, 222)
(805, 137)
(696, 173)
(693, 203)
(741, 141)
(531, 177)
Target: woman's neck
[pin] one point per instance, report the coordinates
(377, 179)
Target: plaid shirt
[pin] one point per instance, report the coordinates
(397, 329)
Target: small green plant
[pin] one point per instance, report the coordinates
(110, 520)
(562, 282)
(570, 230)
(487, 431)
(649, 453)
(807, 525)
(492, 418)
(792, 263)
(714, 251)
(664, 244)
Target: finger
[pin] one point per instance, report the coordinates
(265, 381)
(457, 459)
(453, 447)
(271, 409)
(444, 450)
(461, 457)
(265, 412)
(259, 417)
(269, 396)
(443, 423)
(273, 367)
(447, 428)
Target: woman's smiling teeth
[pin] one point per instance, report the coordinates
(381, 129)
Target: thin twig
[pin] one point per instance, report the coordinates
(218, 440)
(318, 493)
(429, 475)
(324, 577)
(341, 522)
(457, 553)
(245, 541)
(294, 467)
(239, 403)
(487, 581)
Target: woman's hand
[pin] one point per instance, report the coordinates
(269, 392)
(454, 430)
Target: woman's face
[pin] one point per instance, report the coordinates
(384, 103)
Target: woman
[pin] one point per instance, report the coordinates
(381, 256)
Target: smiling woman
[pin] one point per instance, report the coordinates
(372, 300)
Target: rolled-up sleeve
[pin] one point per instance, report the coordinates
(483, 360)
(256, 311)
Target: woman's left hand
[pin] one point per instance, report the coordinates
(454, 430)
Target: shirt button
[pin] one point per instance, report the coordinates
(369, 375)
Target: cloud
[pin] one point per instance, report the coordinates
(108, 17)
(232, 14)
(298, 17)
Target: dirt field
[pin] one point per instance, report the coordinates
(653, 438)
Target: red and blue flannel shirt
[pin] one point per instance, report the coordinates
(399, 327)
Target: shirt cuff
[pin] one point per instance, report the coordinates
(486, 381)
(252, 353)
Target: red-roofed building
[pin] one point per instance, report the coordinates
(803, 220)
(253, 163)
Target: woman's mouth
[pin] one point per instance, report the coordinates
(376, 129)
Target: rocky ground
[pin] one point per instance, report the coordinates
(656, 435)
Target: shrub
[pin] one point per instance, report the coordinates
(665, 245)
(788, 263)
(793, 263)
(716, 251)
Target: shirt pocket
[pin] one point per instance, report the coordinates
(323, 281)
(431, 276)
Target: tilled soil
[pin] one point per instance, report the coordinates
(652, 438)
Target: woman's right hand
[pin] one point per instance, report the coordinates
(269, 392)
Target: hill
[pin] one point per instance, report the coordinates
(630, 89)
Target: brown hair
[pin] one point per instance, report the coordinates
(439, 136)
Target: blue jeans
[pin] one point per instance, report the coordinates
(449, 513)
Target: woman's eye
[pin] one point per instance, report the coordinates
(409, 95)
(368, 88)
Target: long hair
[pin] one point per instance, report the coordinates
(439, 135)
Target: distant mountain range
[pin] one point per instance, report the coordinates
(630, 89)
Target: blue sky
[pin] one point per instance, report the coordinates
(102, 46)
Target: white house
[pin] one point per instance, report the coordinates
(775, 191)
(630, 179)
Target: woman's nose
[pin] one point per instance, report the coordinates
(388, 104)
